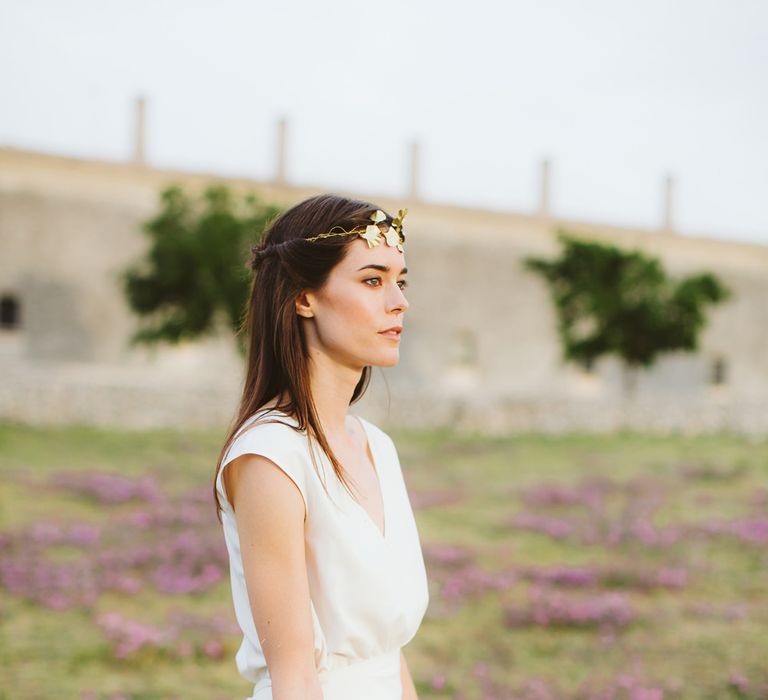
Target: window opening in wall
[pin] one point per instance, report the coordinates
(9, 312)
(719, 372)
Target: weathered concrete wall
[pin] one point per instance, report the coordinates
(480, 348)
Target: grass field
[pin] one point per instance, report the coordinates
(618, 567)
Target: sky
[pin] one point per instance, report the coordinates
(615, 93)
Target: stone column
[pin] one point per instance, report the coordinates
(414, 171)
(139, 131)
(544, 189)
(668, 222)
(282, 144)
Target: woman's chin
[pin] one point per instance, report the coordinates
(388, 360)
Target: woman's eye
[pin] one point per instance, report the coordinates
(402, 283)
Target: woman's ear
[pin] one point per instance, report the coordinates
(304, 305)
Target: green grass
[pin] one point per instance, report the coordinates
(50, 654)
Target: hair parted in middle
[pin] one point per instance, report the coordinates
(284, 263)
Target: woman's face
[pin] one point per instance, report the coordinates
(360, 299)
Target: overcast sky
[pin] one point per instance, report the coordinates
(616, 93)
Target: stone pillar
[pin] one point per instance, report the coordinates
(139, 131)
(668, 222)
(414, 171)
(282, 144)
(544, 189)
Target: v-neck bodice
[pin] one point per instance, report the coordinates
(379, 482)
(368, 588)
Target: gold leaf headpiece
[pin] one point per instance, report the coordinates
(372, 233)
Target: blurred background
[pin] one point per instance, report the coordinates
(581, 403)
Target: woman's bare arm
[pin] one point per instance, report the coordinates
(270, 522)
(409, 689)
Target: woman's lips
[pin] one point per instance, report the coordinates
(395, 335)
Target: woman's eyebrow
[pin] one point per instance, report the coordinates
(383, 268)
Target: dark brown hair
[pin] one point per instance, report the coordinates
(283, 265)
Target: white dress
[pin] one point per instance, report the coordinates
(368, 591)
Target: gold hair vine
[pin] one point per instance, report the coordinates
(393, 233)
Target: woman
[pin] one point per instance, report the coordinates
(327, 573)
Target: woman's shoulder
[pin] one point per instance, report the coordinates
(267, 428)
(276, 436)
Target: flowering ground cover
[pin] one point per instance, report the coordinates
(623, 567)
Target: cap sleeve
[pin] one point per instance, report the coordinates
(280, 444)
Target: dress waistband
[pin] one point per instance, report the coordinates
(373, 678)
(372, 667)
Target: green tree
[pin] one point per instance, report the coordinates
(612, 301)
(195, 270)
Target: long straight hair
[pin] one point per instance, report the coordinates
(277, 360)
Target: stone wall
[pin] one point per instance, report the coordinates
(480, 348)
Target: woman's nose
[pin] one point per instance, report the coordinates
(399, 300)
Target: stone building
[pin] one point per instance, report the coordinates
(480, 349)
